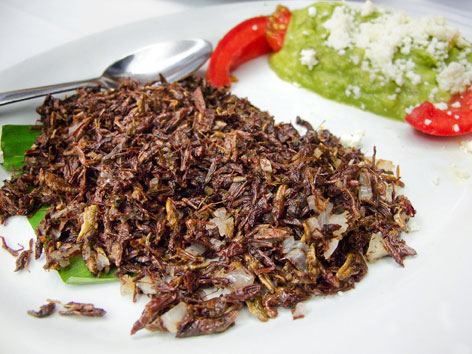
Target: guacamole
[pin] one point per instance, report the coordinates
(383, 62)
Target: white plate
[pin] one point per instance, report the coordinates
(423, 307)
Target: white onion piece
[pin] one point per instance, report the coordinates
(377, 248)
(332, 245)
(239, 278)
(102, 260)
(196, 249)
(295, 252)
(298, 258)
(213, 292)
(385, 165)
(146, 285)
(127, 285)
(365, 189)
(299, 311)
(311, 202)
(289, 244)
(224, 222)
(218, 244)
(314, 226)
(266, 166)
(339, 219)
(172, 318)
(388, 192)
(324, 216)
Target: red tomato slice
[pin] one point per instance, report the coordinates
(455, 120)
(244, 42)
(277, 27)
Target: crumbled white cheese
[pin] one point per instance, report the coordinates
(454, 78)
(340, 26)
(466, 146)
(353, 139)
(441, 105)
(414, 77)
(456, 116)
(306, 33)
(456, 104)
(456, 128)
(307, 58)
(433, 93)
(427, 121)
(355, 91)
(392, 97)
(368, 8)
(312, 11)
(355, 59)
(390, 33)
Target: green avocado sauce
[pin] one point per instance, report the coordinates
(342, 76)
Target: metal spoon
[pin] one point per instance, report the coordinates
(174, 60)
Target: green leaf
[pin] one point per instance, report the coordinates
(15, 140)
(36, 219)
(78, 273)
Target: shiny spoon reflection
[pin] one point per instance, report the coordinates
(174, 60)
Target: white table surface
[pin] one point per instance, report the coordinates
(30, 27)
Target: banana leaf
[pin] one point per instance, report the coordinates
(15, 140)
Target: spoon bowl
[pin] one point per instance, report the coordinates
(174, 60)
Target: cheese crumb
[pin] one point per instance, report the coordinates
(441, 105)
(466, 146)
(392, 97)
(312, 11)
(340, 26)
(353, 139)
(433, 93)
(355, 91)
(427, 121)
(355, 59)
(456, 104)
(391, 33)
(455, 127)
(307, 58)
(368, 8)
(454, 78)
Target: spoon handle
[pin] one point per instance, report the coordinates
(26, 94)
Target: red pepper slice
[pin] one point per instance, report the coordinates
(453, 121)
(277, 25)
(246, 41)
